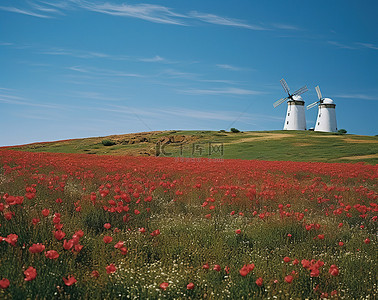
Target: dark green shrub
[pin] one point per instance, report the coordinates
(108, 143)
(341, 131)
(234, 130)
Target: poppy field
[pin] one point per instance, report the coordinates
(105, 227)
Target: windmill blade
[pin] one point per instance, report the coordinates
(278, 102)
(302, 90)
(318, 92)
(285, 86)
(312, 105)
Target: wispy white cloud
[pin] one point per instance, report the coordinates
(228, 67)
(286, 26)
(222, 81)
(368, 45)
(172, 73)
(16, 100)
(218, 20)
(103, 72)
(357, 96)
(24, 12)
(156, 58)
(6, 44)
(340, 45)
(74, 53)
(149, 12)
(224, 91)
(94, 96)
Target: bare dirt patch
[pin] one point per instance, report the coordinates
(261, 137)
(357, 157)
(302, 144)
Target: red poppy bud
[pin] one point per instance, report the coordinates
(111, 269)
(164, 285)
(52, 254)
(107, 239)
(4, 283)
(69, 281)
(190, 286)
(259, 281)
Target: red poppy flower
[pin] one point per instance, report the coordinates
(111, 269)
(11, 239)
(36, 248)
(95, 274)
(78, 247)
(333, 270)
(321, 236)
(206, 266)
(190, 286)
(107, 239)
(142, 230)
(314, 272)
(58, 226)
(30, 274)
(295, 262)
(286, 259)
(367, 241)
(259, 281)
(79, 233)
(288, 278)
(155, 232)
(52, 254)
(238, 231)
(119, 245)
(59, 235)
(107, 225)
(164, 285)
(341, 244)
(123, 250)
(35, 221)
(68, 244)
(217, 268)
(4, 283)
(8, 215)
(244, 271)
(45, 212)
(69, 281)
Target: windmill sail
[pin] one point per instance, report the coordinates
(318, 92)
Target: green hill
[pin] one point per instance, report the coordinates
(263, 145)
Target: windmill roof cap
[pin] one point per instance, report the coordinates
(297, 98)
(327, 101)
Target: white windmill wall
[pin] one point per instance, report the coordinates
(326, 120)
(295, 115)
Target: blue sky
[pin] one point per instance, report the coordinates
(78, 68)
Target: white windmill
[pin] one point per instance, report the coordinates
(326, 120)
(295, 116)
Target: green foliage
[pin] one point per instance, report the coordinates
(108, 142)
(234, 130)
(342, 131)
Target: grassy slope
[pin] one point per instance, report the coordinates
(264, 145)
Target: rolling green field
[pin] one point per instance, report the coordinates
(262, 145)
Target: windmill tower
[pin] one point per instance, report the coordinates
(295, 115)
(326, 120)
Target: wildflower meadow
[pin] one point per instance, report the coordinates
(103, 227)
